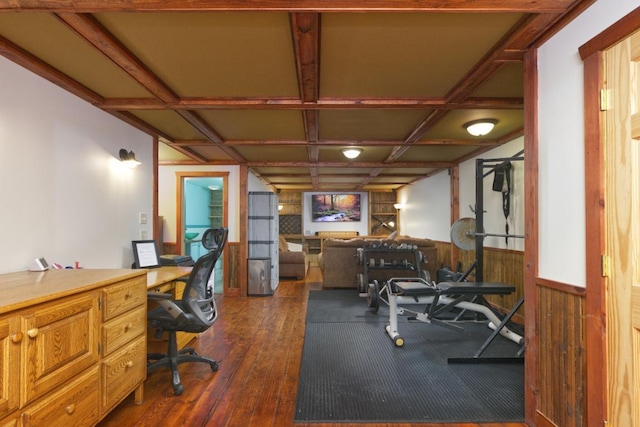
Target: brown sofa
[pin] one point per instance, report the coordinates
(341, 269)
(292, 263)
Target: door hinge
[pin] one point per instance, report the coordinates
(99, 348)
(99, 303)
(604, 100)
(605, 262)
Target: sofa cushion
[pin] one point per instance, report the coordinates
(282, 243)
(342, 243)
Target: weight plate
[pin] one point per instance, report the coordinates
(463, 233)
(373, 298)
(426, 276)
(360, 255)
(372, 262)
(361, 285)
(381, 262)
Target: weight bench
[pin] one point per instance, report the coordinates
(439, 299)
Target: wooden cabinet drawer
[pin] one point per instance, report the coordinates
(123, 371)
(10, 341)
(76, 404)
(124, 296)
(123, 329)
(61, 342)
(10, 421)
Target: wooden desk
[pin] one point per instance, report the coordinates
(73, 343)
(159, 277)
(163, 280)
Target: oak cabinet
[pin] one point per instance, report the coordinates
(60, 341)
(73, 345)
(74, 405)
(10, 338)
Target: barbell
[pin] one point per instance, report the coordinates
(463, 234)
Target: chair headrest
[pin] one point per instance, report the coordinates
(215, 238)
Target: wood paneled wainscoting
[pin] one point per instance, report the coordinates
(561, 361)
(500, 265)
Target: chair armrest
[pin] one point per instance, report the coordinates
(158, 295)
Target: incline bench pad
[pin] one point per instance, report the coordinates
(418, 288)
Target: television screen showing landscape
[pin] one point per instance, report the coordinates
(335, 207)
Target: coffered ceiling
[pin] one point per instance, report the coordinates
(283, 86)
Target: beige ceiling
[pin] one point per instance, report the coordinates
(283, 90)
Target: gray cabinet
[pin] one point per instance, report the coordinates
(263, 235)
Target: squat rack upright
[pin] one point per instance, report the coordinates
(481, 165)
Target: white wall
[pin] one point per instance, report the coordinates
(427, 211)
(562, 232)
(167, 191)
(62, 195)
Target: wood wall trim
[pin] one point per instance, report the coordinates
(243, 224)
(542, 421)
(612, 35)
(562, 287)
(531, 380)
(595, 305)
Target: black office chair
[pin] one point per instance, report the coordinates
(195, 312)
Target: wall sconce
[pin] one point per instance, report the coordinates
(480, 127)
(280, 206)
(398, 206)
(351, 153)
(128, 158)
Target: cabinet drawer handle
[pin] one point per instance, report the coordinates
(128, 326)
(129, 363)
(128, 294)
(32, 333)
(17, 337)
(70, 409)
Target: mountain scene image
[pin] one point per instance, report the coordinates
(335, 207)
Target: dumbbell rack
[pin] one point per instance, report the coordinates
(403, 257)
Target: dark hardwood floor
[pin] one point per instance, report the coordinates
(258, 344)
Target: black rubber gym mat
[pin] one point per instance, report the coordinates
(351, 370)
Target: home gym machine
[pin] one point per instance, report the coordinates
(403, 294)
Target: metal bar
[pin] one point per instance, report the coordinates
(501, 235)
(479, 220)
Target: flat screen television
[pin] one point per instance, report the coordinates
(335, 207)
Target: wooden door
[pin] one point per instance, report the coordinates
(621, 102)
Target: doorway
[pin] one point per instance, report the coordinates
(612, 185)
(202, 204)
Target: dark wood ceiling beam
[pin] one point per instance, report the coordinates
(88, 28)
(405, 165)
(370, 143)
(381, 174)
(306, 42)
(25, 59)
(504, 103)
(373, 174)
(315, 182)
(203, 127)
(480, 6)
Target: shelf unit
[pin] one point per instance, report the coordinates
(216, 209)
(290, 216)
(382, 213)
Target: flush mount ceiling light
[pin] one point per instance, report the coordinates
(480, 127)
(351, 153)
(128, 158)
